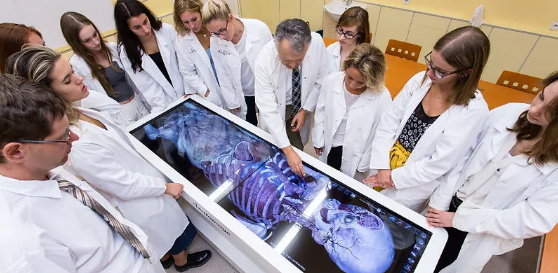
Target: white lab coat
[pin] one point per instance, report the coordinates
(154, 87)
(104, 104)
(272, 78)
(334, 51)
(440, 148)
(54, 232)
(81, 68)
(522, 203)
(108, 162)
(196, 69)
(228, 63)
(364, 116)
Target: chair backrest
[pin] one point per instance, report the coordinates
(520, 82)
(403, 49)
(329, 41)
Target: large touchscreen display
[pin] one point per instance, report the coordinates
(318, 223)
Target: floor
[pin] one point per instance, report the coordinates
(215, 265)
(522, 260)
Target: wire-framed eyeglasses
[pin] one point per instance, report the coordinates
(66, 139)
(347, 34)
(439, 74)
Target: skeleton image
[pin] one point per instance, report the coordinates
(267, 192)
(356, 239)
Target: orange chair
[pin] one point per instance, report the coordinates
(403, 49)
(520, 82)
(329, 41)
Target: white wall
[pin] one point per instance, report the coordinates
(45, 15)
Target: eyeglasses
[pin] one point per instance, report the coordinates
(222, 31)
(439, 74)
(348, 34)
(65, 140)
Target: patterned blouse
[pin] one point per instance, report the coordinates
(415, 127)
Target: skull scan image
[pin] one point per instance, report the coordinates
(356, 239)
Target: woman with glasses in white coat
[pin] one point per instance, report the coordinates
(433, 121)
(98, 63)
(508, 188)
(352, 29)
(147, 53)
(104, 157)
(350, 106)
(194, 54)
(235, 44)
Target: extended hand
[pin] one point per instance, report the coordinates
(174, 190)
(377, 180)
(439, 218)
(294, 161)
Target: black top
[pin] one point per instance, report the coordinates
(158, 59)
(415, 127)
(123, 91)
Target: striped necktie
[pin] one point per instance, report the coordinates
(122, 229)
(296, 91)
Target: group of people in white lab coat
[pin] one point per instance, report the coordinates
(489, 178)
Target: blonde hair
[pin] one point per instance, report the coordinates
(180, 6)
(215, 10)
(35, 63)
(371, 63)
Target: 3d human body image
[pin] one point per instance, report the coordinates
(267, 197)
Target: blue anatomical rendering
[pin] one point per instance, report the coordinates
(267, 192)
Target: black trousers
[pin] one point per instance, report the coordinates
(455, 240)
(335, 157)
(251, 110)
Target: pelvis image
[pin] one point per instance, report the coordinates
(268, 198)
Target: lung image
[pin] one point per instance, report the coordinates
(268, 198)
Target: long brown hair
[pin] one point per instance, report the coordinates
(546, 149)
(180, 6)
(124, 10)
(357, 16)
(466, 49)
(71, 24)
(12, 38)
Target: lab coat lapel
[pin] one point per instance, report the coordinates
(151, 68)
(197, 47)
(416, 98)
(163, 48)
(306, 80)
(340, 107)
(122, 139)
(232, 59)
(431, 134)
(363, 100)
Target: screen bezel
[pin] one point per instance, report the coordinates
(192, 194)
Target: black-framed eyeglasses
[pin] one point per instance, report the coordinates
(348, 34)
(68, 135)
(439, 74)
(222, 31)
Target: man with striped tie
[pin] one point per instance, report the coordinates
(289, 73)
(51, 220)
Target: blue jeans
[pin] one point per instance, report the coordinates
(184, 240)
